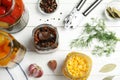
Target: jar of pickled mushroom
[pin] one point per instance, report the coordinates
(77, 66)
(11, 51)
(13, 15)
(45, 38)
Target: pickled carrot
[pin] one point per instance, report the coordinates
(2, 54)
(4, 50)
(5, 61)
(13, 56)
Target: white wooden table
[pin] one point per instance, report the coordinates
(65, 37)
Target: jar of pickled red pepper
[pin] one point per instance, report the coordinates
(11, 51)
(13, 15)
(77, 66)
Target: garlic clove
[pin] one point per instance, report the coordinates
(37, 73)
(52, 64)
(31, 69)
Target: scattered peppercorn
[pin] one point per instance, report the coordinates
(48, 6)
(61, 13)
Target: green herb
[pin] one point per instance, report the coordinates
(107, 68)
(96, 31)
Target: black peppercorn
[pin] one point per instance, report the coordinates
(48, 6)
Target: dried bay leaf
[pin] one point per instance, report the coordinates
(108, 68)
(109, 78)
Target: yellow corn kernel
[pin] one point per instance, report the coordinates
(77, 66)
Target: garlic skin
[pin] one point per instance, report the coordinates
(35, 71)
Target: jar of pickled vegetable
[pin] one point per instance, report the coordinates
(13, 15)
(45, 38)
(11, 51)
(77, 66)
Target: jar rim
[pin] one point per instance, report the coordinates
(11, 44)
(10, 10)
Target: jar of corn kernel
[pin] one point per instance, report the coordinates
(77, 66)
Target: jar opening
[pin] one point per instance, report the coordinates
(5, 46)
(6, 6)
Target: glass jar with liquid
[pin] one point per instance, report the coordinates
(13, 15)
(11, 51)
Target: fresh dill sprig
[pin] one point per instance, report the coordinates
(97, 31)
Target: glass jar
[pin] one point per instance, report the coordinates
(77, 66)
(13, 15)
(11, 51)
(45, 38)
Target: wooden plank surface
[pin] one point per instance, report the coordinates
(65, 37)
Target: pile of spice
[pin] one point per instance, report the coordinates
(45, 37)
(48, 6)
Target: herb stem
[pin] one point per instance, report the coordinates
(107, 40)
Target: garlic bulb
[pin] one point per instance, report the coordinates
(35, 71)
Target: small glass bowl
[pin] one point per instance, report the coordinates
(47, 13)
(45, 38)
(115, 4)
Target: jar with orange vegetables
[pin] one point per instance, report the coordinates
(13, 15)
(11, 51)
(77, 66)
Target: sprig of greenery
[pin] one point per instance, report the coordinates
(97, 31)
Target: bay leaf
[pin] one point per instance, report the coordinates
(107, 68)
(109, 78)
